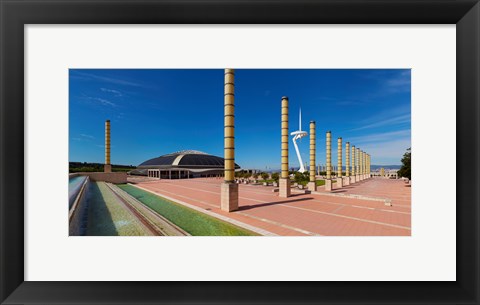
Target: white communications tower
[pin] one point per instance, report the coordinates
(298, 135)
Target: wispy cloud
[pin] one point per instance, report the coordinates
(400, 82)
(112, 80)
(83, 137)
(401, 119)
(380, 138)
(112, 91)
(391, 82)
(104, 102)
(87, 136)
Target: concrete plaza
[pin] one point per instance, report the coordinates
(357, 209)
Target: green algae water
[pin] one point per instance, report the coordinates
(106, 217)
(195, 223)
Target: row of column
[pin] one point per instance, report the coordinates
(360, 167)
(323, 168)
(229, 189)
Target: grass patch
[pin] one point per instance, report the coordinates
(268, 181)
(195, 223)
(322, 182)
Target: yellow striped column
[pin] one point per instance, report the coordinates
(312, 185)
(347, 164)
(357, 164)
(361, 165)
(284, 181)
(368, 165)
(354, 178)
(339, 163)
(328, 181)
(364, 165)
(107, 167)
(229, 189)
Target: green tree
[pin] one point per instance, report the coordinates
(405, 170)
(264, 176)
(275, 177)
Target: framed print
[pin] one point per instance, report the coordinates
(188, 121)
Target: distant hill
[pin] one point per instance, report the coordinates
(75, 167)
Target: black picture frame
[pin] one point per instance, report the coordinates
(17, 13)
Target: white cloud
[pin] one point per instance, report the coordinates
(114, 92)
(381, 137)
(112, 80)
(87, 136)
(394, 120)
(104, 102)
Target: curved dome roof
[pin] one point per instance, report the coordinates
(185, 159)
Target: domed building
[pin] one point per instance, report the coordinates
(182, 165)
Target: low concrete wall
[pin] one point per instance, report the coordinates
(78, 212)
(107, 177)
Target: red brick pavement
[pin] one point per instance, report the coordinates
(304, 214)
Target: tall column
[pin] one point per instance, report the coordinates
(107, 168)
(370, 165)
(229, 189)
(361, 165)
(339, 163)
(357, 164)
(312, 185)
(368, 168)
(353, 179)
(284, 181)
(346, 181)
(364, 165)
(328, 181)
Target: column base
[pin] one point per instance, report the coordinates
(346, 180)
(328, 185)
(352, 179)
(312, 186)
(357, 178)
(284, 187)
(229, 197)
(339, 182)
(107, 168)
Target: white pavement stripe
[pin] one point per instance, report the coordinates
(279, 224)
(305, 209)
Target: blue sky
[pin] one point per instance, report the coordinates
(155, 112)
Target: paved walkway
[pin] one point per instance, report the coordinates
(304, 214)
